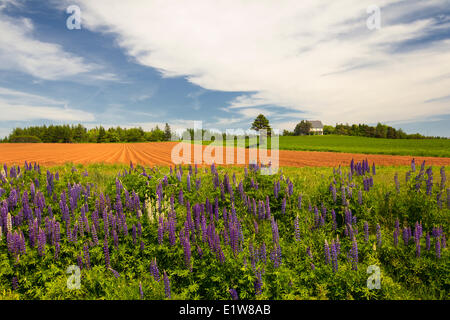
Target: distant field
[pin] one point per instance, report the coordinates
(347, 144)
(431, 147)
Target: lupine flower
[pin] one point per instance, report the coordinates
(258, 283)
(80, 262)
(438, 249)
(167, 285)
(15, 283)
(326, 249)
(395, 237)
(406, 235)
(283, 206)
(154, 270)
(300, 202)
(262, 253)
(114, 272)
(366, 231)
(106, 252)
(378, 235)
(354, 254)
(333, 192)
(427, 241)
(87, 259)
(334, 254)
(234, 294)
(275, 236)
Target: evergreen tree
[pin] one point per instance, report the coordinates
(167, 132)
(260, 123)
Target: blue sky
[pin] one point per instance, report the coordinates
(142, 63)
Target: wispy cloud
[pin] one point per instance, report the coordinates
(21, 51)
(21, 106)
(279, 52)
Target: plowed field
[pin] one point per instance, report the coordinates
(159, 153)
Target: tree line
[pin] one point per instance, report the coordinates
(80, 134)
(360, 130)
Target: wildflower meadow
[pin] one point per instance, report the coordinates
(353, 232)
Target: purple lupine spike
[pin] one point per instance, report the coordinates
(154, 270)
(334, 256)
(114, 272)
(366, 231)
(333, 192)
(234, 294)
(106, 252)
(172, 236)
(167, 286)
(405, 236)
(300, 202)
(283, 206)
(133, 233)
(275, 235)
(87, 259)
(327, 252)
(15, 283)
(428, 241)
(41, 242)
(443, 241)
(378, 235)
(438, 248)
(258, 283)
(262, 253)
(395, 235)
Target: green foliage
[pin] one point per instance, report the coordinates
(302, 128)
(403, 274)
(25, 139)
(79, 134)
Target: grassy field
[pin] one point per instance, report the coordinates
(348, 144)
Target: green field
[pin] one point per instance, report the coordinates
(349, 144)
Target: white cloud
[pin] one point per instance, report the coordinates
(22, 106)
(314, 56)
(21, 51)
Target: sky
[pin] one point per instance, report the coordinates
(145, 63)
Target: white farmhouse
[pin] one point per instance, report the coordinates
(316, 127)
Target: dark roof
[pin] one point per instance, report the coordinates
(316, 124)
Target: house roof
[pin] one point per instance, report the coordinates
(316, 124)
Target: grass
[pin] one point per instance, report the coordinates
(349, 144)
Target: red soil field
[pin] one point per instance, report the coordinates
(159, 153)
